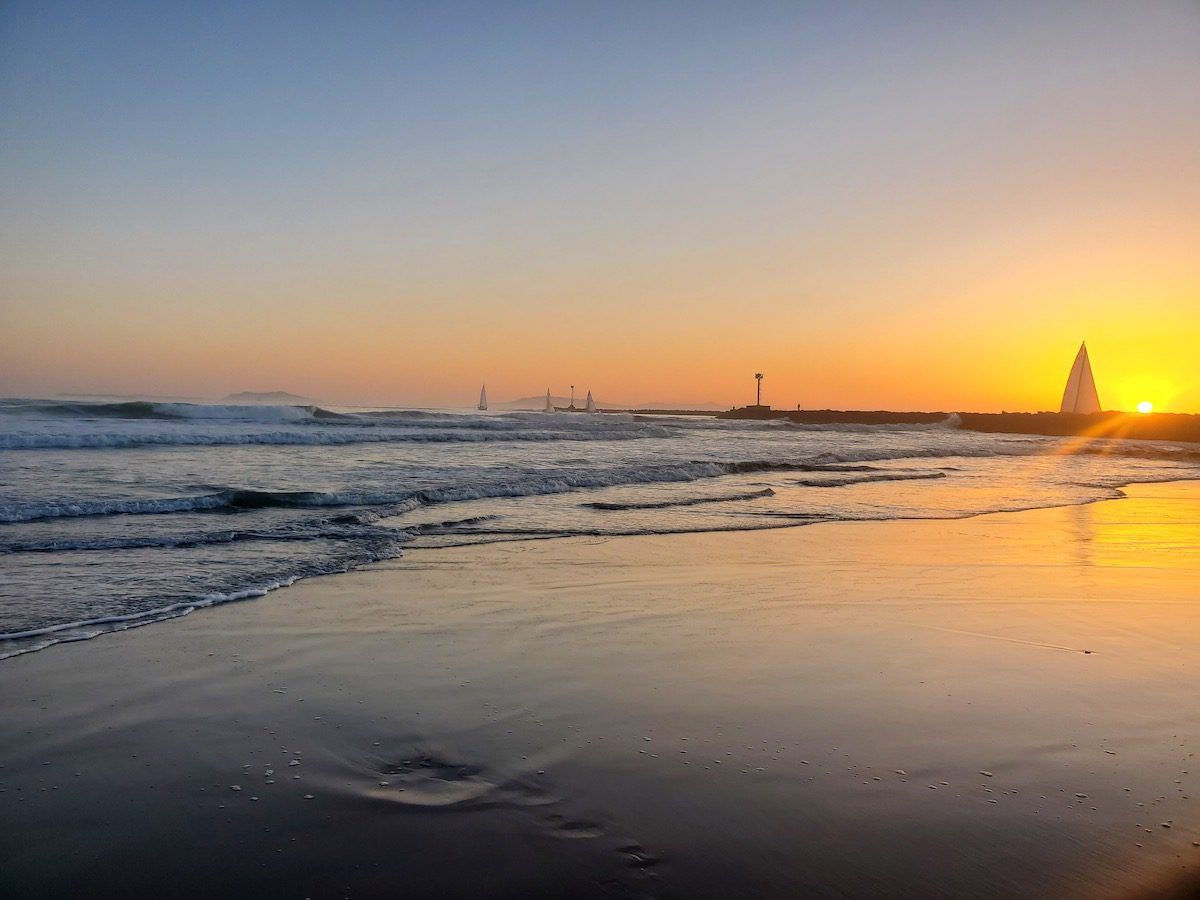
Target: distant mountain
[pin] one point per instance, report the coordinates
(281, 398)
(539, 402)
(534, 402)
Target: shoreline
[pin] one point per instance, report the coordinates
(183, 608)
(535, 709)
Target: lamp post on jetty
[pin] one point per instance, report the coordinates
(754, 410)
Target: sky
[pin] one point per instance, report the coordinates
(878, 205)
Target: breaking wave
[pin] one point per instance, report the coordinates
(145, 409)
(529, 484)
(46, 425)
(175, 527)
(129, 440)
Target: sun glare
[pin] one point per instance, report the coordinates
(1145, 406)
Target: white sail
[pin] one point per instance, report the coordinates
(591, 404)
(549, 405)
(483, 397)
(1080, 395)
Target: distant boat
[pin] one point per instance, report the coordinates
(588, 407)
(549, 403)
(1080, 395)
(483, 397)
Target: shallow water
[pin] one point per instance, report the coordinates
(849, 710)
(114, 515)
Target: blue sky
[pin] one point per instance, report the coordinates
(207, 176)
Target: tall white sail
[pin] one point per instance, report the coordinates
(483, 397)
(1080, 395)
(549, 405)
(591, 404)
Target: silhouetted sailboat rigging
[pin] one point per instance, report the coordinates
(1080, 395)
(591, 404)
(483, 397)
(549, 407)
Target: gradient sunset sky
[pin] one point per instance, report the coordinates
(879, 205)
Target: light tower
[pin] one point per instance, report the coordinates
(758, 376)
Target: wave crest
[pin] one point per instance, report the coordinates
(685, 501)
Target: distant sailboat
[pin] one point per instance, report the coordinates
(1080, 395)
(591, 404)
(483, 397)
(549, 404)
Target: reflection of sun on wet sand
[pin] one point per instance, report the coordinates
(997, 706)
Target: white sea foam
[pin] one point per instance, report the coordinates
(527, 485)
(332, 437)
(19, 642)
(195, 505)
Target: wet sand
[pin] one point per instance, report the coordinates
(992, 707)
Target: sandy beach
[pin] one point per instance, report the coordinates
(600, 450)
(997, 706)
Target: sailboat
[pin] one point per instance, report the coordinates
(591, 404)
(1080, 395)
(483, 397)
(549, 403)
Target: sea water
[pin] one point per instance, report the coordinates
(120, 514)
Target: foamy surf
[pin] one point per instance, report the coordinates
(158, 509)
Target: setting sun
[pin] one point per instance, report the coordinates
(1145, 406)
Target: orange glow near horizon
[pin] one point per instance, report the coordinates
(654, 216)
(950, 325)
(889, 365)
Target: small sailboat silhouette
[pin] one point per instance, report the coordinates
(483, 397)
(549, 404)
(591, 404)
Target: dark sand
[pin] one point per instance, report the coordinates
(810, 712)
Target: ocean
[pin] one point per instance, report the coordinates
(115, 515)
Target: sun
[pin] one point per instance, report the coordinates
(1145, 406)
